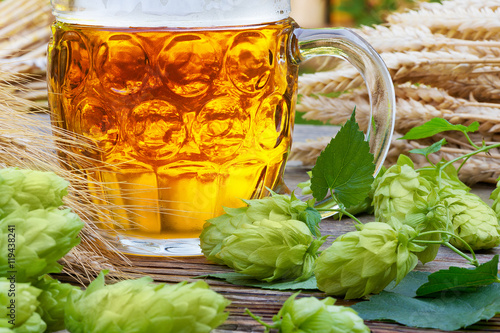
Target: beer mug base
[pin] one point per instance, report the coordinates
(181, 247)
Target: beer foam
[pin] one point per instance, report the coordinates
(170, 13)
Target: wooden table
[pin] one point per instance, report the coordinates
(266, 303)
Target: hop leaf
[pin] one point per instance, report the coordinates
(42, 237)
(438, 125)
(53, 301)
(18, 306)
(345, 167)
(139, 306)
(310, 315)
(276, 208)
(270, 250)
(362, 262)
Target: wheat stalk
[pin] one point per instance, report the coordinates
(307, 152)
(28, 141)
(410, 66)
(463, 4)
(460, 21)
(399, 38)
(415, 105)
(24, 34)
(483, 87)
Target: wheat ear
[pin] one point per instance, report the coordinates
(408, 66)
(454, 22)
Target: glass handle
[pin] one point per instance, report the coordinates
(347, 45)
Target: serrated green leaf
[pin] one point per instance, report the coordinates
(247, 281)
(409, 285)
(311, 217)
(345, 167)
(451, 311)
(435, 126)
(474, 127)
(435, 147)
(463, 279)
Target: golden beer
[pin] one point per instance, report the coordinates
(180, 122)
(186, 107)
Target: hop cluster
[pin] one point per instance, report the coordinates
(142, 306)
(276, 208)
(34, 235)
(269, 239)
(432, 200)
(44, 233)
(29, 202)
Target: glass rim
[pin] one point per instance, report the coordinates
(170, 13)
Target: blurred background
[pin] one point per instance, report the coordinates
(346, 13)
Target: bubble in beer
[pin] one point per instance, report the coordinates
(249, 61)
(221, 127)
(189, 64)
(74, 54)
(121, 65)
(156, 130)
(272, 118)
(96, 124)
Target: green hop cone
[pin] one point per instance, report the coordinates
(310, 315)
(18, 304)
(42, 237)
(472, 220)
(217, 229)
(276, 208)
(495, 196)
(447, 178)
(395, 191)
(38, 189)
(140, 306)
(424, 217)
(271, 250)
(365, 261)
(53, 301)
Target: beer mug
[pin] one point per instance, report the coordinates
(187, 106)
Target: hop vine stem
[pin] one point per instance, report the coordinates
(342, 211)
(470, 141)
(467, 156)
(259, 320)
(473, 261)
